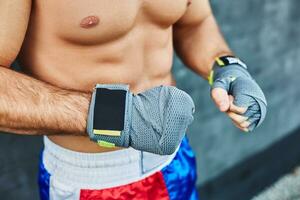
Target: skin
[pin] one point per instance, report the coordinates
(65, 48)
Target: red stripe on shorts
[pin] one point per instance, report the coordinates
(150, 188)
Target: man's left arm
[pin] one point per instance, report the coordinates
(198, 42)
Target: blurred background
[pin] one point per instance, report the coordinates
(231, 165)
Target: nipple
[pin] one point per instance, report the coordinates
(89, 21)
(189, 2)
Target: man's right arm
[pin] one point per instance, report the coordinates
(29, 106)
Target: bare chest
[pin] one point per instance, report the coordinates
(103, 20)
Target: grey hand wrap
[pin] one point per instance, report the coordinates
(155, 120)
(234, 78)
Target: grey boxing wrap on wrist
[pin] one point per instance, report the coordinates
(236, 80)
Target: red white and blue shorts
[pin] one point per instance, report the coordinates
(119, 175)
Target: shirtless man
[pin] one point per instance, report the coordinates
(65, 48)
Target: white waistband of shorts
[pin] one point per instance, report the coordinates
(90, 160)
(100, 170)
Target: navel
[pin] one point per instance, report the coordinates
(189, 2)
(89, 21)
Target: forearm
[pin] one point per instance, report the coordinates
(29, 106)
(199, 44)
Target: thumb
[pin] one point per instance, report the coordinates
(221, 99)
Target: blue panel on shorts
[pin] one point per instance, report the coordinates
(43, 180)
(180, 175)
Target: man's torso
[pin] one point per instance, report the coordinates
(76, 44)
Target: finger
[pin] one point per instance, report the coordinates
(241, 128)
(221, 99)
(236, 117)
(234, 108)
(245, 124)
